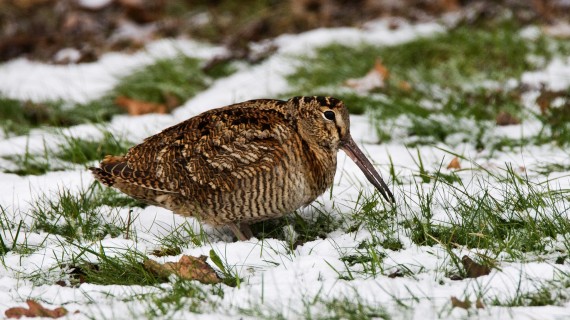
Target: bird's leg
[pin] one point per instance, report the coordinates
(241, 230)
(246, 230)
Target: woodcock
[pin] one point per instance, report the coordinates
(242, 163)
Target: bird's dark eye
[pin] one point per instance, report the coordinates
(329, 115)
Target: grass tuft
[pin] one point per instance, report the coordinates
(82, 151)
(456, 82)
(514, 219)
(75, 216)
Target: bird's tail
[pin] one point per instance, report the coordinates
(109, 169)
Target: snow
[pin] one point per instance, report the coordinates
(556, 76)
(94, 4)
(37, 81)
(276, 279)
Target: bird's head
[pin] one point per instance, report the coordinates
(324, 121)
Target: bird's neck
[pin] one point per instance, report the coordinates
(320, 165)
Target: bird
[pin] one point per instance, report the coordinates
(243, 163)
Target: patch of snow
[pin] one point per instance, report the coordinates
(67, 55)
(80, 83)
(94, 4)
(276, 279)
(556, 75)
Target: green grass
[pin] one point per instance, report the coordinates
(446, 73)
(514, 219)
(69, 152)
(182, 236)
(465, 54)
(542, 293)
(182, 296)
(32, 164)
(169, 81)
(75, 216)
(13, 231)
(177, 78)
(557, 120)
(19, 117)
(115, 199)
(82, 151)
(125, 268)
(321, 308)
(497, 215)
(305, 228)
(88, 214)
(345, 309)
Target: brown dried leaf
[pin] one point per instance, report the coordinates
(450, 5)
(188, 267)
(405, 86)
(454, 164)
(374, 79)
(546, 97)
(137, 108)
(381, 69)
(479, 304)
(35, 310)
(473, 268)
(506, 119)
(171, 101)
(460, 304)
(142, 11)
(544, 100)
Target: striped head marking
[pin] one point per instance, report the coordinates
(322, 120)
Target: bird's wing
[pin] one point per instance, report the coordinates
(212, 151)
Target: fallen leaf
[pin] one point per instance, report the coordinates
(404, 85)
(188, 267)
(506, 119)
(374, 79)
(454, 164)
(543, 8)
(137, 108)
(450, 5)
(473, 268)
(142, 11)
(546, 99)
(460, 304)
(35, 310)
(381, 69)
(171, 101)
(479, 304)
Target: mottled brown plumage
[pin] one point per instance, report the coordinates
(243, 163)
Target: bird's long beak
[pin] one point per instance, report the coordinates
(364, 164)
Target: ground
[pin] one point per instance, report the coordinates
(467, 122)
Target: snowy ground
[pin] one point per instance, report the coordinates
(276, 280)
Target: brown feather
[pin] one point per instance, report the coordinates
(246, 162)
